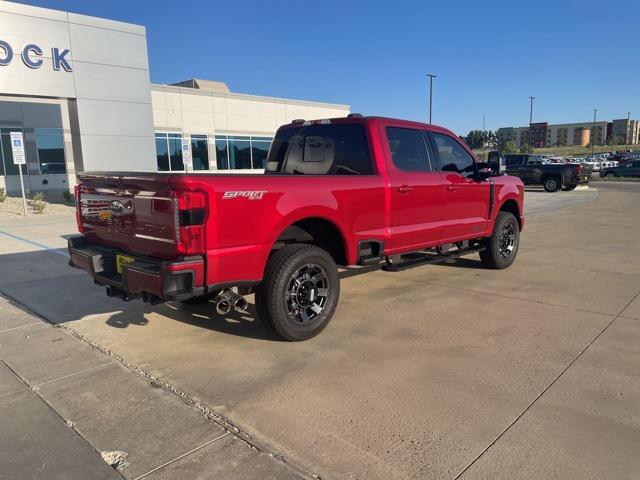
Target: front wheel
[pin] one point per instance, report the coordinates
(299, 293)
(502, 246)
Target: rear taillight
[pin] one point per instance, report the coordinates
(578, 169)
(76, 194)
(190, 214)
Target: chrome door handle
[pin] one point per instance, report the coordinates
(405, 189)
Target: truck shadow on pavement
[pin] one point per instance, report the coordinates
(243, 324)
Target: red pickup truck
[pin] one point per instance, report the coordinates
(346, 191)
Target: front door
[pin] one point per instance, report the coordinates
(416, 190)
(466, 200)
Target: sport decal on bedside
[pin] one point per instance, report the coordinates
(250, 194)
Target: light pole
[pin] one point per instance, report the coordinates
(484, 140)
(530, 119)
(593, 131)
(431, 77)
(626, 136)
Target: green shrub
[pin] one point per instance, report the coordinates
(3, 195)
(38, 203)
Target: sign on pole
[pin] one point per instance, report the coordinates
(187, 159)
(19, 158)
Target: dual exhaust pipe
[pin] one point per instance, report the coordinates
(227, 300)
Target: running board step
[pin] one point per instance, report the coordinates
(428, 258)
(369, 260)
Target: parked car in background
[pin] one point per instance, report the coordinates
(629, 169)
(535, 170)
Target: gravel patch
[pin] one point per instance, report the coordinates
(12, 208)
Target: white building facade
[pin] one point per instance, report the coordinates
(78, 89)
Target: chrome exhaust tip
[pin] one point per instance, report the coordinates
(223, 306)
(240, 304)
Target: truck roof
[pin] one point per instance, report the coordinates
(357, 118)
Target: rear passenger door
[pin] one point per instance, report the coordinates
(416, 189)
(515, 166)
(466, 200)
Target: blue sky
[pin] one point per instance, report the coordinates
(489, 56)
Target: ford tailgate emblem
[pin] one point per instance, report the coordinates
(118, 208)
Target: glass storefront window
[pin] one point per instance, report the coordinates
(169, 152)
(50, 145)
(237, 152)
(200, 152)
(222, 153)
(175, 152)
(7, 152)
(259, 151)
(162, 152)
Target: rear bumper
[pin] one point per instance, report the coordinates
(152, 279)
(580, 180)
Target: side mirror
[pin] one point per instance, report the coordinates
(483, 171)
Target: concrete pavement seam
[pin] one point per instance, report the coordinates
(180, 457)
(90, 369)
(515, 420)
(583, 310)
(21, 326)
(184, 396)
(68, 423)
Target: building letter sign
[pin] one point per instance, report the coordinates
(32, 56)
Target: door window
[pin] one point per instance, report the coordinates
(408, 150)
(453, 156)
(515, 160)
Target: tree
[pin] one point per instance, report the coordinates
(615, 140)
(526, 148)
(479, 139)
(475, 139)
(509, 147)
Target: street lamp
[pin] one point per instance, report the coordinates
(593, 131)
(626, 136)
(530, 119)
(431, 77)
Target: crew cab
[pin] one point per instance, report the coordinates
(345, 191)
(536, 170)
(630, 169)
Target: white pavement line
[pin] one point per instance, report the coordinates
(72, 374)
(23, 326)
(182, 456)
(618, 315)
(36, 244)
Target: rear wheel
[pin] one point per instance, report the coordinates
(551, 184)
(502, 247)
(300, 292)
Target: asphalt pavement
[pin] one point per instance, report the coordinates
(448, 371)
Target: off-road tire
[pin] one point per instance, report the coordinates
(493, 256)
(551, 184)
(271, 299)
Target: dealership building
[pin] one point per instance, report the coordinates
(78, 89)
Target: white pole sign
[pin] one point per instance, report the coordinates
(187, 159)
(19, 158)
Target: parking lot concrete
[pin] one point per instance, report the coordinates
(448, 371)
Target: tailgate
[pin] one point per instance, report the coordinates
(130, 212)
